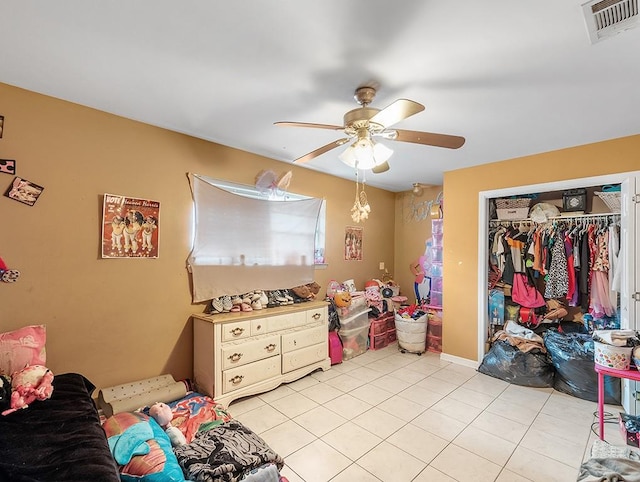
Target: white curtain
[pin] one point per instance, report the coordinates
(243, 244)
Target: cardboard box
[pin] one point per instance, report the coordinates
(512, 214)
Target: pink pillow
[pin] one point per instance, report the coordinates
(22, 347)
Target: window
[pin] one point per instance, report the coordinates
(247, 239)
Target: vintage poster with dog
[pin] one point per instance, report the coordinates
(130, 227)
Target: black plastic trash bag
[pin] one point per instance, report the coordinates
(509, 363)
(572, 357)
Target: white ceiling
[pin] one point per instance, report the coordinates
(514, 78)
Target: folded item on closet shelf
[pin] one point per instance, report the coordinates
(614, 337)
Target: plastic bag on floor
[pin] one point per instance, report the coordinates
(509, 363)
(572, 357)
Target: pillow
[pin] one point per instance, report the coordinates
(141, 449)
(22, 347)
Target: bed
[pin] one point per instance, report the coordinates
(54, 432)
(59, 439)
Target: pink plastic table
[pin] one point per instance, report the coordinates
(632, 374)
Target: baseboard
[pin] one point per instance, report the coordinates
(459, 360)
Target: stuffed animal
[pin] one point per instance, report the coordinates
(28, 385)
(161, 413)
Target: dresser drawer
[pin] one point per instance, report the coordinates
(317, 315)
(249, 374)
(286, 322)
(303, 338)
(259, 326)
(303, 357)
(236, 330)
(238, 354)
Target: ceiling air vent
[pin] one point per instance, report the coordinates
(606, 18)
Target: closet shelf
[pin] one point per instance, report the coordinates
(555, 218)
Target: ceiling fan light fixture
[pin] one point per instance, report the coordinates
(365, 154)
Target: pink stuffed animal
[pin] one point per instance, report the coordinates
(28, 385)
(161, 413)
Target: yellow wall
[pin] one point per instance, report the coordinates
(461, 189)
(118, 320)
(412, 230)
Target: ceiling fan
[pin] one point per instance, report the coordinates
(364, 123)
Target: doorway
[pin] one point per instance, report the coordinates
(629, 240)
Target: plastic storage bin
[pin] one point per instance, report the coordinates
(436, 283)
(434, 331)
(435, 298)
(382, 331)
(435, 270)
(354, 334)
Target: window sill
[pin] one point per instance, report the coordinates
(321, 265)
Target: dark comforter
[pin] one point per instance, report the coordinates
(59, 439)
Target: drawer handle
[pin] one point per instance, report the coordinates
(316, 316)
(270, 347)
(235, 357)
(237, 331)
(237, 379)
(259, 327)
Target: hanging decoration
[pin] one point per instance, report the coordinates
(361, 208)
(272, 186)
(420, 211)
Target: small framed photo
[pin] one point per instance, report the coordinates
(24, 191)
(8, 166)
(1, 125)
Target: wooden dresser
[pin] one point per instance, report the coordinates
(241, 354)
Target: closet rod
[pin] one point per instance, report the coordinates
(555, 218)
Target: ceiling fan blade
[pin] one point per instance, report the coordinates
(384, 167)
(428, 139)
(307, 124)
(321, 150)
(397, 111)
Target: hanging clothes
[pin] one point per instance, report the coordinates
(557, 281)
(579, 259)
(568, 250)
(600, 301)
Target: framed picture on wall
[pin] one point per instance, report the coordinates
(24, 191)
(8, 166)
(1, 125)
(353, 243)
(130, 227)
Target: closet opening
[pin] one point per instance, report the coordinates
(570, 212)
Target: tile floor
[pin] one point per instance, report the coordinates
(389, 416)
